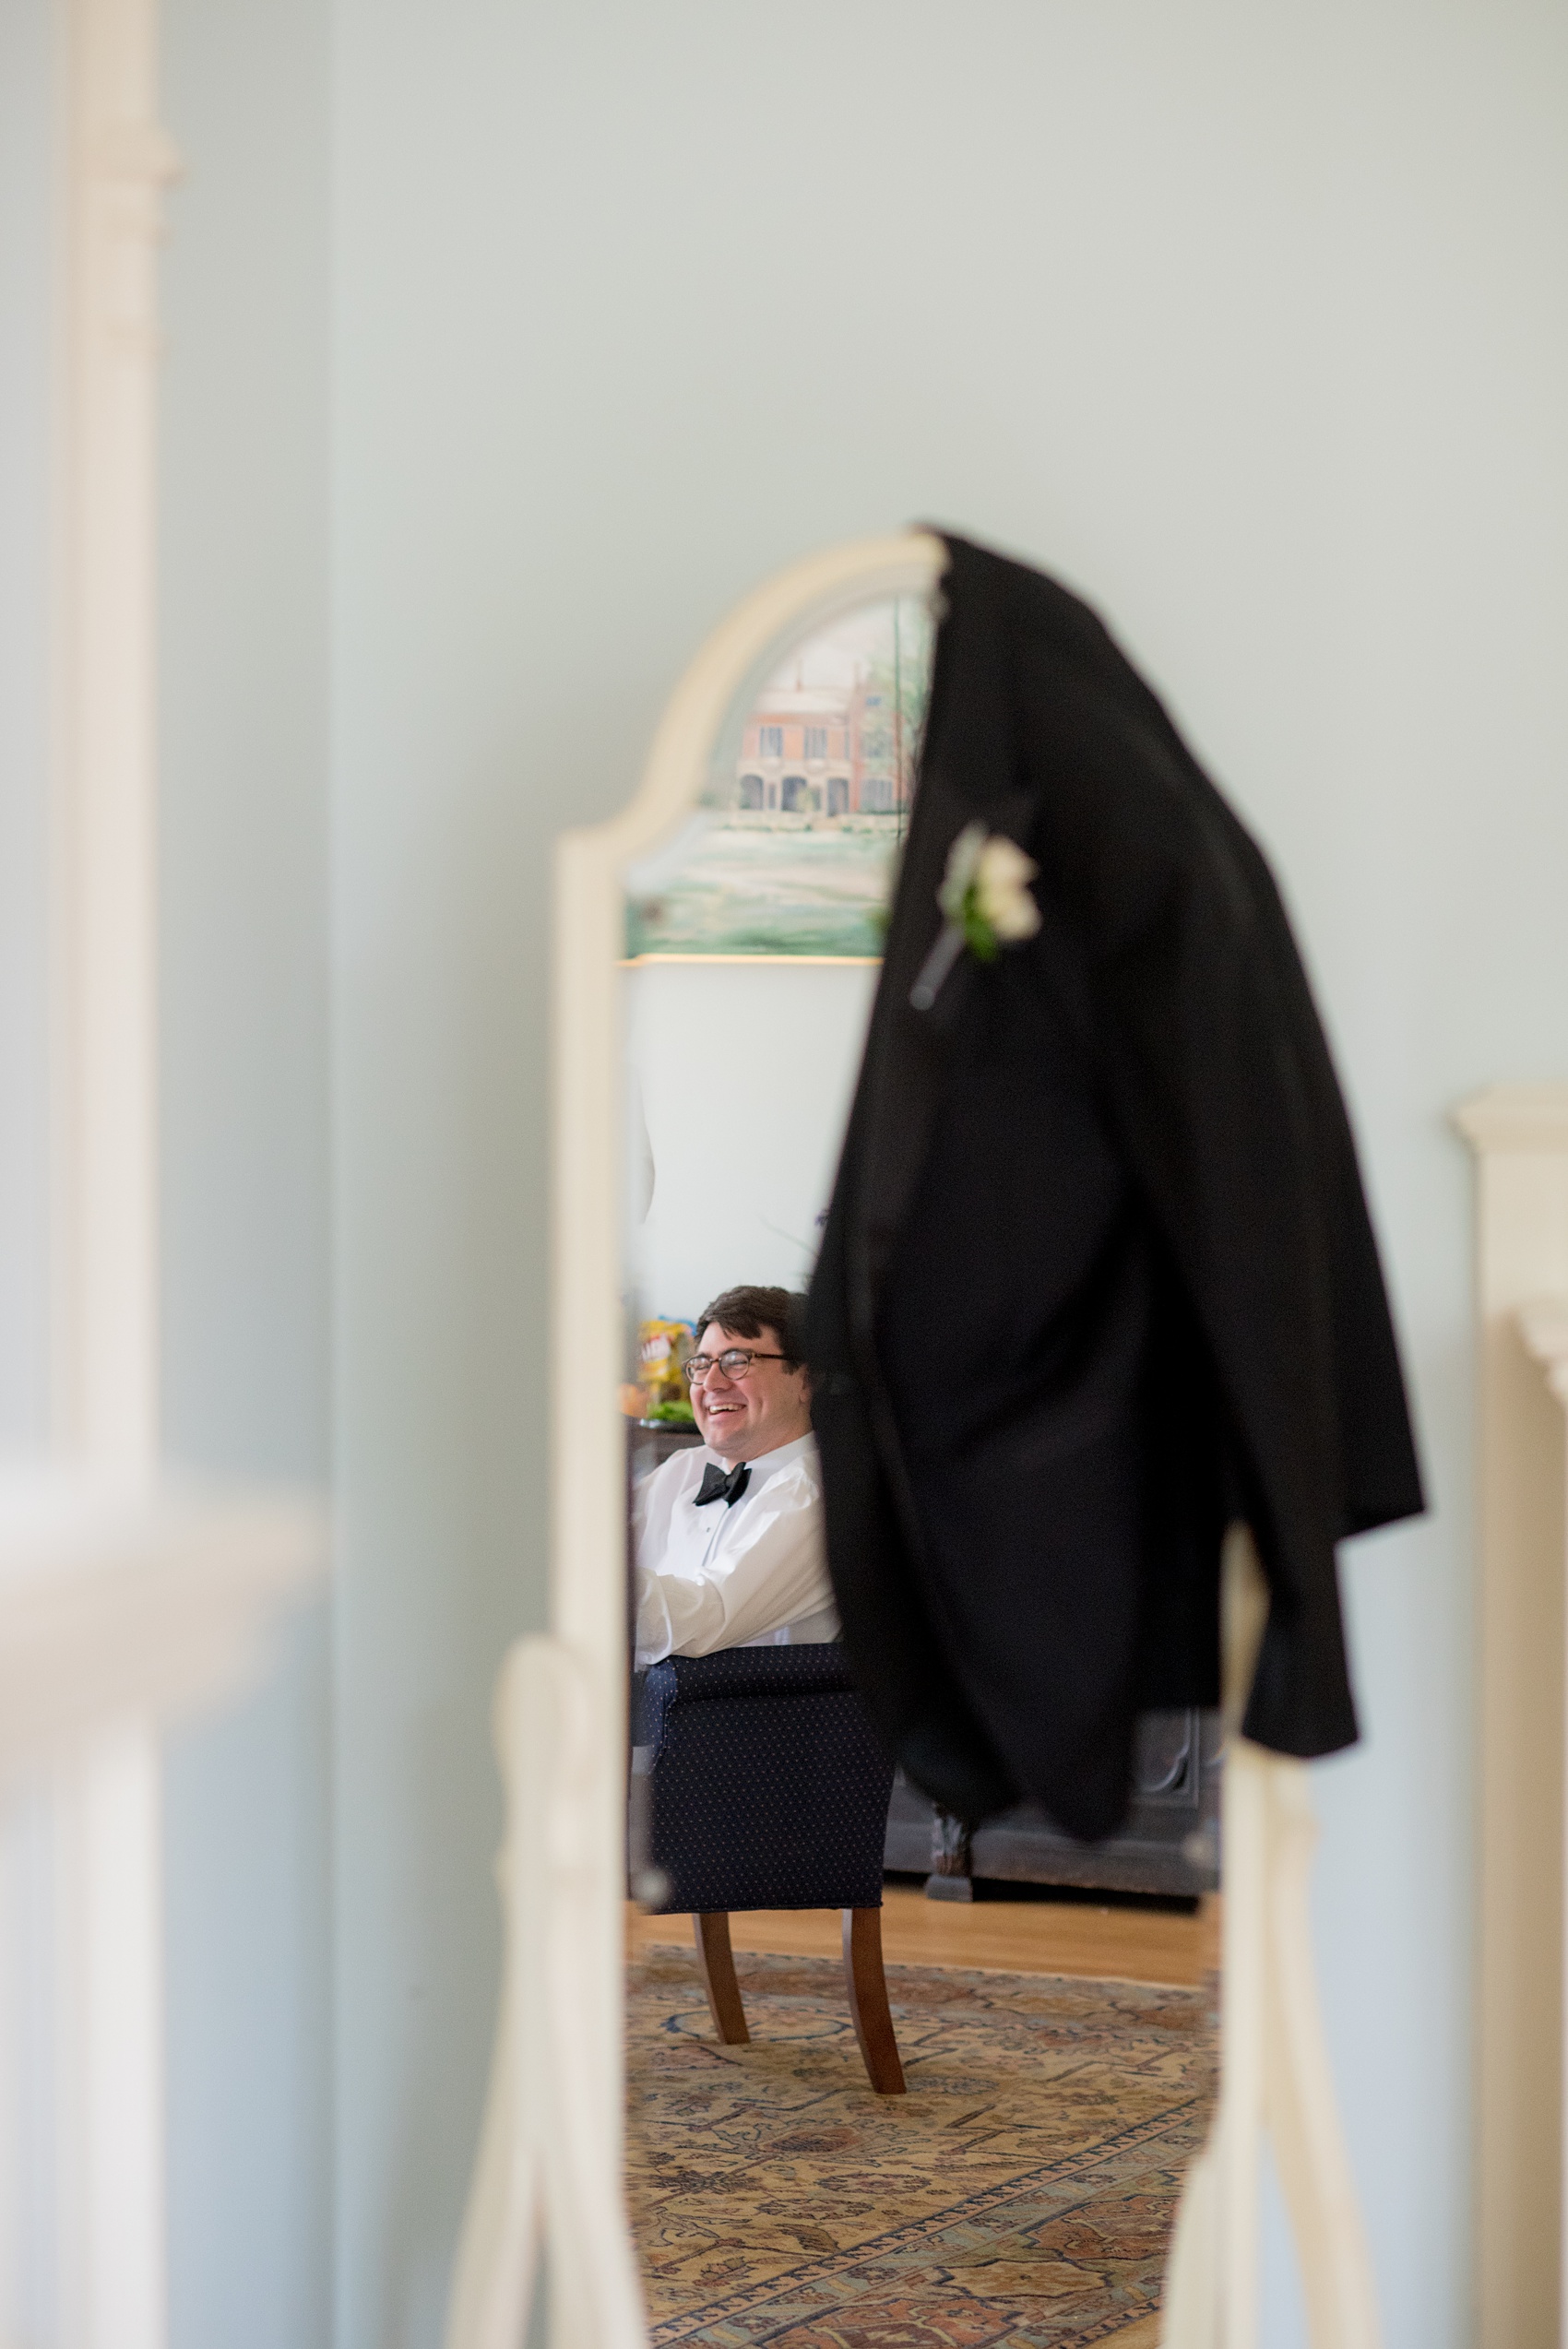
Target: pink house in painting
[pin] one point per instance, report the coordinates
(804, 751)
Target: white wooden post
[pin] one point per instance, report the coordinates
(104, 1063)
(1544, 1328)
(1519, 1134)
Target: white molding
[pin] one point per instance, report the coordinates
(1544, 1328)
(104, 987)
(104, 976)
(1519, 1134)
(1516, 1117)
(1544, 1332)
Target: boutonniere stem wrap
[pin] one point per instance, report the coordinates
(987, 902)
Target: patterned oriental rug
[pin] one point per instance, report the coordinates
(1022, 2192)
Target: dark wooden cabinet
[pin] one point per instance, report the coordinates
(1170, 1845)
(651, 1443)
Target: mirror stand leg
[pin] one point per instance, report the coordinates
(1303, 2114)
(716, 1960)
(867, 1986)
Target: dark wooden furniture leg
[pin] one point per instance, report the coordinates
(867, 1986)
(951, 1862)
(716, 1962)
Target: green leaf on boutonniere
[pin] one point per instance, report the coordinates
(979, 935)
(986, 904)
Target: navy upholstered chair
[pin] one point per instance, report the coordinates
(757, 1783)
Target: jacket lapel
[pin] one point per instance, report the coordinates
(908, 1052)
(969, 772)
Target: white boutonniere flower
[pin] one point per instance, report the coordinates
(987, 904)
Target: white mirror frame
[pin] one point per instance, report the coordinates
(548, 2178)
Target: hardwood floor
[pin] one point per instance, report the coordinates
(999, 1936)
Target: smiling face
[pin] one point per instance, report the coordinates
(742, 1418)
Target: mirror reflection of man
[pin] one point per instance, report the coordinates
(728, 1536)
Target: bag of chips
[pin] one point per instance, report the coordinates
(662, 1348)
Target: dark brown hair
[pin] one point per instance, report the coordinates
(751, 1312)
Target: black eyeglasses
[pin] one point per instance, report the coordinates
(735, 1363)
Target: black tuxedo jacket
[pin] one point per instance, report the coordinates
(1098, 1274)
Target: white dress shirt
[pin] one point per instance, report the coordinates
(753, 1574)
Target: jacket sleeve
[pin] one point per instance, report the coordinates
(1219, 1082)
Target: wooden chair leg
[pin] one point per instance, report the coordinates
(716, 1960)
(867, 1986)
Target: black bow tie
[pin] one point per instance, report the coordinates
(716, 1486)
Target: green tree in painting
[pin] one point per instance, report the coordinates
(898, 687)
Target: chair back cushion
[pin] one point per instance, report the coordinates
(763, 1784)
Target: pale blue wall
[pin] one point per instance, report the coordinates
(1254, 326)
(244, 1194)
(743, 1076)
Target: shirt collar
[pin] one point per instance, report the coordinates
(767, 1462)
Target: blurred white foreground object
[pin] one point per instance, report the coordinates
(1274, 2070)
(121, 1606)
(124, 1599)
(120, 1600)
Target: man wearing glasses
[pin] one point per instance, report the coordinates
(730, 1549)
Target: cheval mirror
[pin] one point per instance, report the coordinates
(989, 2139)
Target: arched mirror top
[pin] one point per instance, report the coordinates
(701, 727)
(791, 847)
